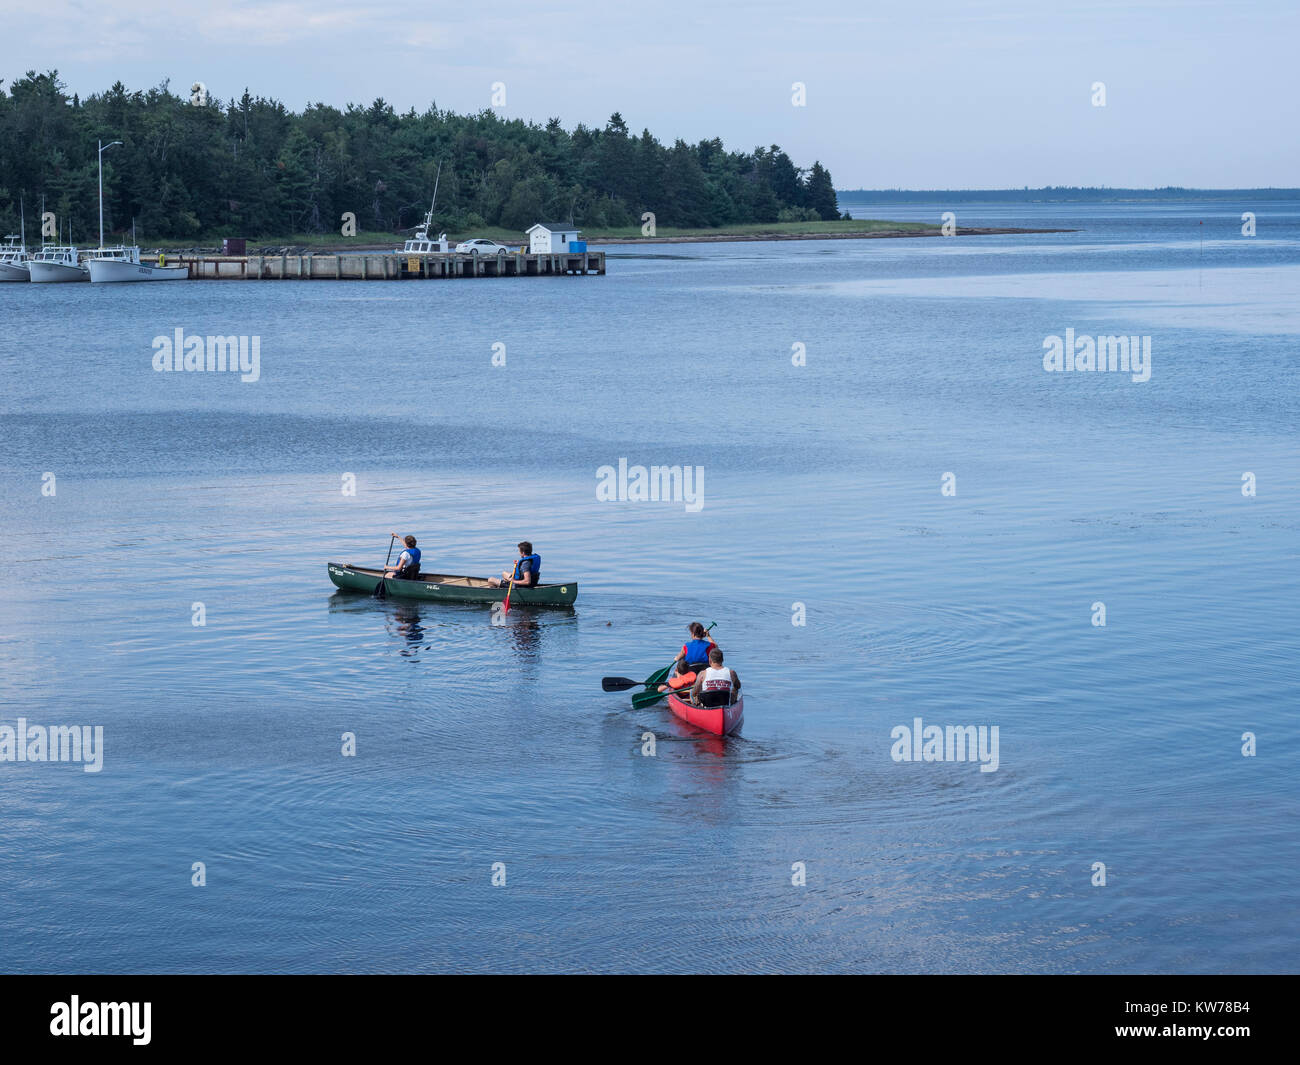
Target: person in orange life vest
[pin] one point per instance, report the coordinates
(716, 685)
(527, 572)
(408, 562)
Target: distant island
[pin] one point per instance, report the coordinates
(193, 169)
(1062, 194)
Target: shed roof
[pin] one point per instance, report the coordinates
(555, 227)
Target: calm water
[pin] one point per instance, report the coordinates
(480, 744)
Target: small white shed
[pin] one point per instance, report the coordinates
(551, 236)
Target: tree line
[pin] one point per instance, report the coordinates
(192, 168)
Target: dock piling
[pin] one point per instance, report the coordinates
(376, 266)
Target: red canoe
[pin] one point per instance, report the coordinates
(720, 720)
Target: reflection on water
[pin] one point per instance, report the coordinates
(706, 743)
(431, 626)
(525, 631)
(406, 625)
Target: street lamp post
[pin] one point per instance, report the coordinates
(102, 149)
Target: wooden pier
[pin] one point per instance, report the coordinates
(387, 266)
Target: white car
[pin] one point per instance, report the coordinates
(483, 247)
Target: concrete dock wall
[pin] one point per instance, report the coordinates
(380, 266)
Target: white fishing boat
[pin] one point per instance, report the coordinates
(123, 264)
(420, 243)
(56, 263)
(13, 259)
(13, 256)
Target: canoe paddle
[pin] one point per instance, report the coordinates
(621, 684)
(380, 591)
(658, 676)
(647, 698)
(510, 588)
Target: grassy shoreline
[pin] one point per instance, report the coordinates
(857, 229)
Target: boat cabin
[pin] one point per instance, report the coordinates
(121, 252)
(420, 244)
(56, 253)
(13, 250)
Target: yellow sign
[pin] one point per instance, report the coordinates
(413, 264)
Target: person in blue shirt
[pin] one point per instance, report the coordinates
(408, 562)
(527, 571)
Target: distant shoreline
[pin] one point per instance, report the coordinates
(913, 230)
(935, 231)
(857, 229)
(1063, 194)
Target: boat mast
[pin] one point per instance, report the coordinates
(102, 148)
(428, 219)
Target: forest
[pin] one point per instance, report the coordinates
(191, 168)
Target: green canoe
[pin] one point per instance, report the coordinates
(445, 588)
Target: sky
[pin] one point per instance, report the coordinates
(913, 94)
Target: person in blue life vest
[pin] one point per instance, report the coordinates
(694, 654)
(408, 562)
(527, 571)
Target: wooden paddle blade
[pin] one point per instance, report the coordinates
(618, 684)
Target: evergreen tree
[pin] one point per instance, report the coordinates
(819, 193)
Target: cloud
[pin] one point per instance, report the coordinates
(277, 23)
